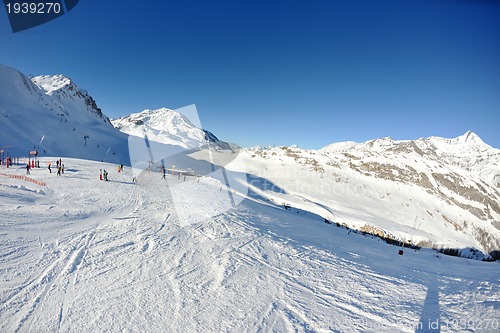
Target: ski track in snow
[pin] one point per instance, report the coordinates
(86, 255)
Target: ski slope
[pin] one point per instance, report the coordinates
(80, 254)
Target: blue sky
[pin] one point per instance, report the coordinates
(282, 72)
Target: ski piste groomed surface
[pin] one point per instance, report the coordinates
(80, 254)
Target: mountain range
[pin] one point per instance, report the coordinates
(51, 114)
(430, 192)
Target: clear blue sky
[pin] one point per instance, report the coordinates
(292, 72)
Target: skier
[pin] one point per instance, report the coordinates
(59, 170)
(134, 178)
(105, 174)
(28, 169)
(100, 174)
(119, 169)
(57, 164)
(62, 168)
(50, 170)
(164, 171)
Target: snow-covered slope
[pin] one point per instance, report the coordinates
(80, 254)
(168, 126)
(122, 260)
(51, 114)
(435, 192)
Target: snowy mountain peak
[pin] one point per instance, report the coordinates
(168, 126)
(464, 149)
(162, 125)
(51, 83)
(468, 138)
(469, 135)
(381, 143)
(68, 95)
(160, 118)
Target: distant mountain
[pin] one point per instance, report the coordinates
(435, 192)
(467, 152)
(169, 127)
(53, 115)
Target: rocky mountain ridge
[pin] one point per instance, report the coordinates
(432, 191)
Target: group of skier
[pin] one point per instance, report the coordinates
(59, 165)
(103, 174)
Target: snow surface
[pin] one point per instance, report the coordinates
(80, 254)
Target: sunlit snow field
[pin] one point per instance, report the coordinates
(80, 254)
